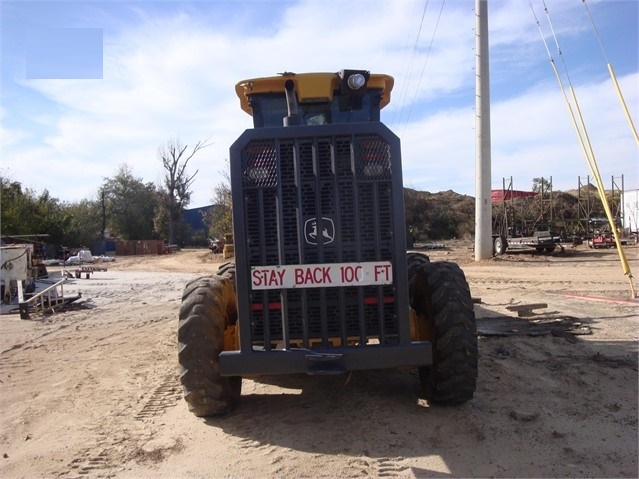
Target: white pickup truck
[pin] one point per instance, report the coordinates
(83, 256)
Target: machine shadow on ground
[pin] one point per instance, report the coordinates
(340, 414)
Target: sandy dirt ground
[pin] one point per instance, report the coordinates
(93, 391)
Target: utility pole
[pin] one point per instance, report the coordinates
(483, 200)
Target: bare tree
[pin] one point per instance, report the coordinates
(176, 191)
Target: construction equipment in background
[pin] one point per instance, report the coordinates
(19, 288)
(601, 236)
(17, 273)
(512, 230)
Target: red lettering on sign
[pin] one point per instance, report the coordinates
(257, 278)
(311, 275)
(382, 271)
(326, 275)
(268, 277)
(351, 274)
(321, 275)
(317, 275)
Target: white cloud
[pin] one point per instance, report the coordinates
(172, 75)
(532, 136)
(9, 137)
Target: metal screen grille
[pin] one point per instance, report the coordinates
(315, 200)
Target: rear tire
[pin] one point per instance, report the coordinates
(208, 307)
(440, 293)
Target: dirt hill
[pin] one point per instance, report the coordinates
(450, 215)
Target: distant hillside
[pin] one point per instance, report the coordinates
(448, 215)
(443, 215)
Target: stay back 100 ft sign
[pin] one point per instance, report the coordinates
(321, 275)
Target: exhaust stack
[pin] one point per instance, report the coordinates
(291, 104)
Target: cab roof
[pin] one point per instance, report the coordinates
(309, 87)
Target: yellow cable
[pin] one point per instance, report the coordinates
(592, 163)
(586, 147)
(612, 74)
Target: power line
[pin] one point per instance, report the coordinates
(430, 46)
(613, 78)
(409, 68)
(596, 31)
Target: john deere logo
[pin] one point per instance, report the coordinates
(319, 230)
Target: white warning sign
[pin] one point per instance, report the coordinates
(321, 275)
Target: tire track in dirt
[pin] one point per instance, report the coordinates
(88, 462)
(389, 466)
(59, 328)
(515, 282)
(100, 402)
(378, 467)
(124, 404)
(10, 364)
(118, 442)
(167, 395)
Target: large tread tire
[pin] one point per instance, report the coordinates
(413, 262)
(208, 306)
(440, 293)
(227, 270)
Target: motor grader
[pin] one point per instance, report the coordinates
(321, 282)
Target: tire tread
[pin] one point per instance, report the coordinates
(208, 307)
(440, 292)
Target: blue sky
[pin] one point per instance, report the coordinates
(168, 70)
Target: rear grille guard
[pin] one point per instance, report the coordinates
(317, 195)
(336, 315)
